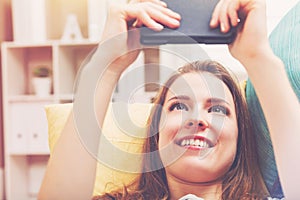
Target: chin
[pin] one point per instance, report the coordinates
(194, 170)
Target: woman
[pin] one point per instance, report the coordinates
(220, 176)
(215, 145)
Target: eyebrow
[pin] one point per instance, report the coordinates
(215, 100)
(181, 97)
(212, 100)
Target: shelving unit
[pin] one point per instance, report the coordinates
(25, 123)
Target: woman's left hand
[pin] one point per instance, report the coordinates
(250, 17)
(267, 73)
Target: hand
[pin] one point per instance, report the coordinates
(252, 39)
(121, 28)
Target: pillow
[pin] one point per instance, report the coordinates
(107, 178)
(285, 42)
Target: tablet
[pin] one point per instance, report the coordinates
(194, 26)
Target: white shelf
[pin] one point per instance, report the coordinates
(75, 43)
(30, 98)
(50, 43)
(24, 117)
(27, 45)
(66, 97)
(28, 153)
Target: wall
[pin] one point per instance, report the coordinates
(5, 35)
(57, 12)
(276, 9)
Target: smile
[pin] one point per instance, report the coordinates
(198, 142)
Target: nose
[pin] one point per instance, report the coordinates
(196, 124)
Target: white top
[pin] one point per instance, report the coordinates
(194, 197)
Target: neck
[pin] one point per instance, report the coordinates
(207, 191)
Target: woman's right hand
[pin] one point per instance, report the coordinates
(80, 138)
(121, 29)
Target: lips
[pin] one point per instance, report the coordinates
(194, 142)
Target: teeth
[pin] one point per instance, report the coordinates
(187, 142)
(193, 142)
(183, 143)
(202, 143)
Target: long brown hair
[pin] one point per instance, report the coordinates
(242, 181)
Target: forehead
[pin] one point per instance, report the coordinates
(199, 85)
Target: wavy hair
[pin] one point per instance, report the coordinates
(242, 181)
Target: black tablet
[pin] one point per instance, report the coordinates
(194, 26)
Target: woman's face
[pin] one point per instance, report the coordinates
(198, 129)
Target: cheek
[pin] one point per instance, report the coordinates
(227, 131)
(231, 132)
(235, 132)
(230, 138)
(168, 129)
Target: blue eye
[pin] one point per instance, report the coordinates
(219, 109)
(178, 106)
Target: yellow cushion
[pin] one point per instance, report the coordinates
(107, 178)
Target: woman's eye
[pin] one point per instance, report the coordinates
(178, 106)
(219, 109)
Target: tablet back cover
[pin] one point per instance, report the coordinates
(194, 25)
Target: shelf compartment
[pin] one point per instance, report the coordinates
(21, 61)
(70, 59)
(25, 171)
(30, 135)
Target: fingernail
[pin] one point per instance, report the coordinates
(159, 27)
(175, 22)
(223, 28)
(163, 3)
(212, 22)
(178, 15)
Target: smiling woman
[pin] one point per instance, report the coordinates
(190, 110)
(200, 139)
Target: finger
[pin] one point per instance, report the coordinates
(223, 17)
(138, 24)
(158, 2)
(233, 12)
(165, 16)
(167, 12)
(152, 16)
(214, 22)
(143, 18)
(162, 3)
(146, 20)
